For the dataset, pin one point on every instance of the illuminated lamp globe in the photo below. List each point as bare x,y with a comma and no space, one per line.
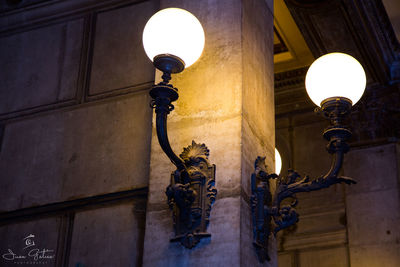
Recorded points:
173,34
278,162
335,75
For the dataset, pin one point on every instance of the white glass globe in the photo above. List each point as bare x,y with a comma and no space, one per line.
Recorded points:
174,31
278,162
335,75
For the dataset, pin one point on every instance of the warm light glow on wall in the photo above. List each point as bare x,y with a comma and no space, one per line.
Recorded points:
278,162
335,75
174,31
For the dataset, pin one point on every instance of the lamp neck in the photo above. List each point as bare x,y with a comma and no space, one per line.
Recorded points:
166,77
168,64
336,109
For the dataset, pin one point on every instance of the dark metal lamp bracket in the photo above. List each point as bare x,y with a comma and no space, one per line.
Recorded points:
192,191
268,215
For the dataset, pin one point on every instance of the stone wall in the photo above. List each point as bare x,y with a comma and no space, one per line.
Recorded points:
76,130
373,206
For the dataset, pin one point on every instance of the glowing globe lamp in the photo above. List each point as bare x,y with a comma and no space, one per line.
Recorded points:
278,162
335,75
173,39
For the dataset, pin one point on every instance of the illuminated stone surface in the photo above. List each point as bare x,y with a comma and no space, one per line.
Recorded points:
225,101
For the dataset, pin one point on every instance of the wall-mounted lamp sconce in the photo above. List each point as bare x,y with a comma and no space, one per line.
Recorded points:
334,82
174,39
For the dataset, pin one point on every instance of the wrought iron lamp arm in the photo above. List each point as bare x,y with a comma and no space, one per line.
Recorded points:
305,185
162,134
163,95
336,165
285,190
332,176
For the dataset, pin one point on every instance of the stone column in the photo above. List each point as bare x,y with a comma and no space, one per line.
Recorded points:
226,101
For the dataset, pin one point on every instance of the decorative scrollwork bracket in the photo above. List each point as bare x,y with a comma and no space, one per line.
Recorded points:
191,201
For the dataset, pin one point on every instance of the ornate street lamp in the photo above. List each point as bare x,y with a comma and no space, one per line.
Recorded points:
334,82
174,39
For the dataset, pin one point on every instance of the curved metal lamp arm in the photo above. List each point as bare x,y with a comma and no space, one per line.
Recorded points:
285,190
336,165
162,134
163,95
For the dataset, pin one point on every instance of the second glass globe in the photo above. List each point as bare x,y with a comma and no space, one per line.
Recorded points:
335,75
176,32
278,162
